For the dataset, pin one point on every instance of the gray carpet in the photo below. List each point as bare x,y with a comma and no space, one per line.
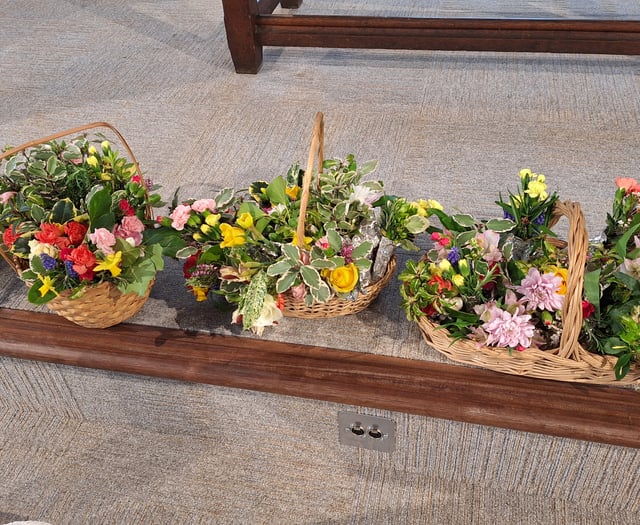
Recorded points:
82,446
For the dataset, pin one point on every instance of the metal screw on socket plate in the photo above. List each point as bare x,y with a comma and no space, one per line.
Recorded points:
371,432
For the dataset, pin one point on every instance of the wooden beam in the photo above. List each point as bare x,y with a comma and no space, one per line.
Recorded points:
594,413
453,34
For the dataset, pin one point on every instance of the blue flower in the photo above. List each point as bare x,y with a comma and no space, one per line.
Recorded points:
539,220
48,262
507,215
454,255
70,271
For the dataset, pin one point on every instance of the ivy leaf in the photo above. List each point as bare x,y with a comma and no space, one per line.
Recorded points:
335,241
417,224
464,220
63,211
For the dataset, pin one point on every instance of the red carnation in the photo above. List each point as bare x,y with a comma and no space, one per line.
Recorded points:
75,231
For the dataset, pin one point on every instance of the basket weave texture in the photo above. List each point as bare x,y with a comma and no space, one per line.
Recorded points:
570,361
101,305
336,306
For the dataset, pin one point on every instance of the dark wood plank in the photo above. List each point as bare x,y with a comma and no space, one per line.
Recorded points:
596,413
554,36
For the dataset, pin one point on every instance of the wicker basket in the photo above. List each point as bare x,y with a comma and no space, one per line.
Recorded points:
570,361
336,306
101,305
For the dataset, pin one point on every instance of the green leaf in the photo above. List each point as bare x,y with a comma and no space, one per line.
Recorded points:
62,211
286,281
464,220
335,241
500,225
276,191
362,250
417,224
99,208
321,294
35,297
279,267
291,251
592,289
310,276
621,245
186,252
362,264
368,167
253,299
323,264
224,198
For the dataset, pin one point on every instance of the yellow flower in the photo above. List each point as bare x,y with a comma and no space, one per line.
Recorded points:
445,265
105,145
563,273
524,173
344,278
198,237
213,219
537,189
105,176
111,263
434,269
306,241
245,220
92,161
92,150
47,286
458,280
231,236
206,229
200,293
292,192
434,205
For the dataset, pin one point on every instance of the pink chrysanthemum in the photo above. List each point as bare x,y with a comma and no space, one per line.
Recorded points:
540,291
509,330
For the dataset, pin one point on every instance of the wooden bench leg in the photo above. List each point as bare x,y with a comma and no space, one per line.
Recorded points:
290,4
239,22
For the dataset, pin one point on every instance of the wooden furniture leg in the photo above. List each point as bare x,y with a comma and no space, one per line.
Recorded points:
240,24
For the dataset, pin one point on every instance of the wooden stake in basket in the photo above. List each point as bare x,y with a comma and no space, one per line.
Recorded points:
336,306
570,361
102,305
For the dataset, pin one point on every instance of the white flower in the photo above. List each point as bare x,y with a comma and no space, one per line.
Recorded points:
269,315
364,194
37,248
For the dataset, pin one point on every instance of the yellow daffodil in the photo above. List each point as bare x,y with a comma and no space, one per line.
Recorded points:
105,145
92,161
526,172
245,220
111,263
434,205
213,219
231,236
92,150
206,229
344,278
47,286
292,192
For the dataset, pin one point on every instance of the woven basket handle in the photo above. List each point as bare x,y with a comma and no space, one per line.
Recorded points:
317,148
74,131
572,308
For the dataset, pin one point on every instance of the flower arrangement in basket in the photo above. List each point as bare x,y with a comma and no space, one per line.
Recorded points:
612,283
507,294
295,246
74,215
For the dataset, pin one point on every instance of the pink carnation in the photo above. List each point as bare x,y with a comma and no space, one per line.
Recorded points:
540,291
204,204
6,196
104,240
130,229
180,216
509,330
